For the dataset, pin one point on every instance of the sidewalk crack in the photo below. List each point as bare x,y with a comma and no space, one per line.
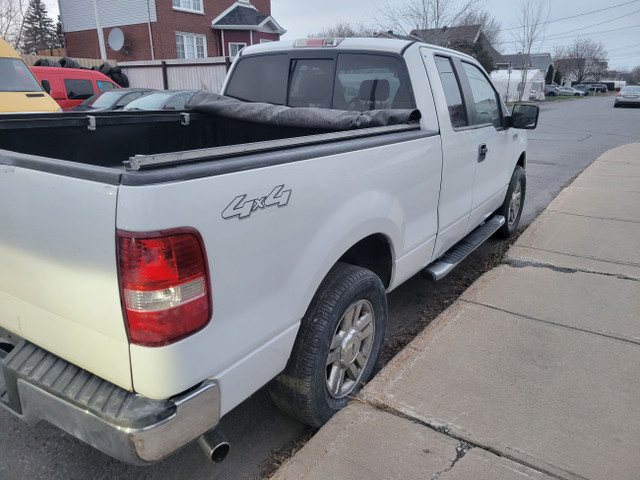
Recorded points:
523,263
600,333
461,451
464,447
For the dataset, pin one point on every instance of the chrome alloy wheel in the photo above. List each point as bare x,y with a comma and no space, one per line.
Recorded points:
350,349
514,203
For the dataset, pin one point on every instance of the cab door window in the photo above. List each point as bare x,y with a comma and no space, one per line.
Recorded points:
485,98
452,92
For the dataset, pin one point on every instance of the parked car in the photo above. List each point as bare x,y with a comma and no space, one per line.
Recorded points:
166,100
629,95
583,88
111,100
19,88
71,86
570,91
551,90
598,87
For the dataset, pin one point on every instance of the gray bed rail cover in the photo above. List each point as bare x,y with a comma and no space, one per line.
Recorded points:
319,118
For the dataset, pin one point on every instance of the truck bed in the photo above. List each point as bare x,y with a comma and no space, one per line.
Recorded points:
109,139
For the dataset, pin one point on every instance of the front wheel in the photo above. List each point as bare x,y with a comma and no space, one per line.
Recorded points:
337,347
513,204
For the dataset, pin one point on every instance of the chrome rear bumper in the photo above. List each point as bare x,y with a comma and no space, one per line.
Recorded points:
36,385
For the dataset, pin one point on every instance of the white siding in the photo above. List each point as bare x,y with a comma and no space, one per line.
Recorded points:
198,74
78,15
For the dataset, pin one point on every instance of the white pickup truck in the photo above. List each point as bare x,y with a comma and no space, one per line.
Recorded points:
157,268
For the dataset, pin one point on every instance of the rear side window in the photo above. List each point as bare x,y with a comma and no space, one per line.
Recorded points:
452,92
260,79
78,89
369,82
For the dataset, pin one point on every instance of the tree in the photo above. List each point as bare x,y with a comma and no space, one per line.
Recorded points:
490,26
39,32
11,17
548,79
586,60
528,31
477,51
407,15
59,41
345,30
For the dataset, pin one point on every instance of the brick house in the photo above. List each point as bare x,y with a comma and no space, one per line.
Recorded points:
166,29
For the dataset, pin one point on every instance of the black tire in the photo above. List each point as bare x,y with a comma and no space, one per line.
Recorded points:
513,204
552,94
45,62
302,390
576,94
105,68
67,62
120,78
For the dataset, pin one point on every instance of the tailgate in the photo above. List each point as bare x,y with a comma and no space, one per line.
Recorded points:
58,273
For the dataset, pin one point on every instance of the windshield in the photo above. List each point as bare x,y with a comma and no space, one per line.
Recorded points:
631,89
102,100
150,102
15,76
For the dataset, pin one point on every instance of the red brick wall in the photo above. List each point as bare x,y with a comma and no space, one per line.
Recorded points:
85,44
136,43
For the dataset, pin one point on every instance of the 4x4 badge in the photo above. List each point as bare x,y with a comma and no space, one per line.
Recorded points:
242,207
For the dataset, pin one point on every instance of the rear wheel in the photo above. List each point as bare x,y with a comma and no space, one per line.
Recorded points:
513,204
337,347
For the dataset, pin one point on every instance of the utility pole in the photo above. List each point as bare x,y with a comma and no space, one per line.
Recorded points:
103,50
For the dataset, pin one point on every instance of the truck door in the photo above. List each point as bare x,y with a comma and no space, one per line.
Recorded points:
459,152
493,142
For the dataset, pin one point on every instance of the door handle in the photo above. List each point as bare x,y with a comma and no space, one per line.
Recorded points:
482,152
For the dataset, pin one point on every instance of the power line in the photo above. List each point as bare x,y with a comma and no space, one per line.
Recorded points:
594,25
575,16
596,33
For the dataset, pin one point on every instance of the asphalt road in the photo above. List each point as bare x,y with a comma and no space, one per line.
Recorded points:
570,135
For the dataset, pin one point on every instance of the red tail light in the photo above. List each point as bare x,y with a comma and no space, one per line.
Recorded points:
164,285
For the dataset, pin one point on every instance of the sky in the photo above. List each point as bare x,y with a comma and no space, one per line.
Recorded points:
616,25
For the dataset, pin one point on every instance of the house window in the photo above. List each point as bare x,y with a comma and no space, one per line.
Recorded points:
190,5
234,48
189,45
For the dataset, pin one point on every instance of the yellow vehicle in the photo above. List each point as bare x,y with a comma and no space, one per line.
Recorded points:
19,88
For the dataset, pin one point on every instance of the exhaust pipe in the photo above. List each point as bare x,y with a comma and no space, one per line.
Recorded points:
214,445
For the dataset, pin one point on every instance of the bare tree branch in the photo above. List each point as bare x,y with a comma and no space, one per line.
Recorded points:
490,26
344,30
529,30
11,18
585,60
408,15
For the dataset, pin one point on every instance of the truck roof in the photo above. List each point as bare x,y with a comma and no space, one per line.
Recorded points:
373,44
388,45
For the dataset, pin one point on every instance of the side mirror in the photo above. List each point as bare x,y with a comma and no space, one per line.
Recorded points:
524,116
46,85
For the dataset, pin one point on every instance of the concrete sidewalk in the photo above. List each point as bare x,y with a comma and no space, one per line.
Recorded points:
534,373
